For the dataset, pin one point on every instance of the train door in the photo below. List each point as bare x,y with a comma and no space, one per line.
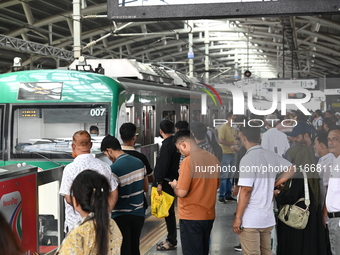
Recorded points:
129,114
196,115
185,113
148,124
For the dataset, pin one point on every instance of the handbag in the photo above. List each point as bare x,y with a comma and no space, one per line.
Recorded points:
293,215
160,204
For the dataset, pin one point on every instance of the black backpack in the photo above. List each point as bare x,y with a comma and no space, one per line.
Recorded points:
218,152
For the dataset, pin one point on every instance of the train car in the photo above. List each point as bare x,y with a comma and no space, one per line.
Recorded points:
41,109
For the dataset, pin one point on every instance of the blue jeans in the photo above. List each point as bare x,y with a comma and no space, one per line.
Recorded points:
228,161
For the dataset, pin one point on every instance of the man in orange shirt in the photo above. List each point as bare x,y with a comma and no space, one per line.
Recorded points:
196,190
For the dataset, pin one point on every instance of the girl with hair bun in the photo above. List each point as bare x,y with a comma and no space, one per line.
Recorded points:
96,233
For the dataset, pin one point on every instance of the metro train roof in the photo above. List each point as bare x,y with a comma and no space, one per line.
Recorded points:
62,86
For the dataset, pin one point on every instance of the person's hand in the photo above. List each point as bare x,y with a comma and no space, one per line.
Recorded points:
159,189
276,192
324,220
235,191
237,225
236,149
324,215
280,187
173,184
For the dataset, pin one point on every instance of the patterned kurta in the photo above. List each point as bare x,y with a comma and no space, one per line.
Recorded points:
81,240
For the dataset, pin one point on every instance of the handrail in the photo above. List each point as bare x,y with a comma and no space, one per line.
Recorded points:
149,151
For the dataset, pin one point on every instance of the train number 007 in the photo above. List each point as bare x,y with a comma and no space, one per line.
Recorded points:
97,112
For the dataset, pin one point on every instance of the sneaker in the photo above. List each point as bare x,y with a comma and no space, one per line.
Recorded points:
230,199
221,200
238,247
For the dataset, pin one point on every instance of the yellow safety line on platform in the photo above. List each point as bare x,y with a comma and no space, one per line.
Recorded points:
154,236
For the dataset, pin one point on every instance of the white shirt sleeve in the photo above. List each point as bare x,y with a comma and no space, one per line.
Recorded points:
247,176
66,181
113,182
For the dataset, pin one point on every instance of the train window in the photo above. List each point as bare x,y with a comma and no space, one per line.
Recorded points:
184,112
214,115
196,115
169,115
130,116
47,130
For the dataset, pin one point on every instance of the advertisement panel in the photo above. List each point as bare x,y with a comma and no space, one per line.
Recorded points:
18,204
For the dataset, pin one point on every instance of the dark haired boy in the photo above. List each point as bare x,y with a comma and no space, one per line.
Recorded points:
129,210
167,167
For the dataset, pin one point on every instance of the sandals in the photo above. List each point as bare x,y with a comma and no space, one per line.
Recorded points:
165,246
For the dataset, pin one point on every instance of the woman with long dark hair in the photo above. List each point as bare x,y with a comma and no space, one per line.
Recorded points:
311,240
8,244
96,233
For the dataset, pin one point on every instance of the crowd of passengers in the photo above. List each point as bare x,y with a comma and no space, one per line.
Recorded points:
105,205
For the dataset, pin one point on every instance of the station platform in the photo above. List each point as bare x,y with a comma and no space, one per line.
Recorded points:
223,239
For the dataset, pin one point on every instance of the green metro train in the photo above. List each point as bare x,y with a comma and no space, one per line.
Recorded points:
41,109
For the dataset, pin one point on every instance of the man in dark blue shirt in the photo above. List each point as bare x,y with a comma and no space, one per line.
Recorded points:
129,136
128,212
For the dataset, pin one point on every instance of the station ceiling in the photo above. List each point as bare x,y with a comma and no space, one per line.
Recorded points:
40,32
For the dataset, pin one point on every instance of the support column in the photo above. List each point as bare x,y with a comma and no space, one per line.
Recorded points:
77,28
50,38
206,58
191,49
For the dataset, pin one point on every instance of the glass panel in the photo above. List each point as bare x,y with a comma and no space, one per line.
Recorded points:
196,115
49,217
169,115
46,131
40,90
184,112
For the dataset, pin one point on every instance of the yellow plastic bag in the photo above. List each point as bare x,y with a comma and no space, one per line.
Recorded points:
160,204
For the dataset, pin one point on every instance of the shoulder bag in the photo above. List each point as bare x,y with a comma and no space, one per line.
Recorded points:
293,215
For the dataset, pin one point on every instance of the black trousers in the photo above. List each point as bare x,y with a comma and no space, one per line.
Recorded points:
195,236
171,225
131,228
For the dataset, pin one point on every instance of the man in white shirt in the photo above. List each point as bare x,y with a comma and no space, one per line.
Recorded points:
254,218
333,191
81,148
273,139
317,121
337,118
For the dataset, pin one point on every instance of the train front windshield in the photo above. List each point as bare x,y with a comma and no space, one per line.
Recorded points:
46,130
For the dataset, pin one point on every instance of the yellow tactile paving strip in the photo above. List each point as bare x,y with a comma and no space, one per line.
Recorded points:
153,237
